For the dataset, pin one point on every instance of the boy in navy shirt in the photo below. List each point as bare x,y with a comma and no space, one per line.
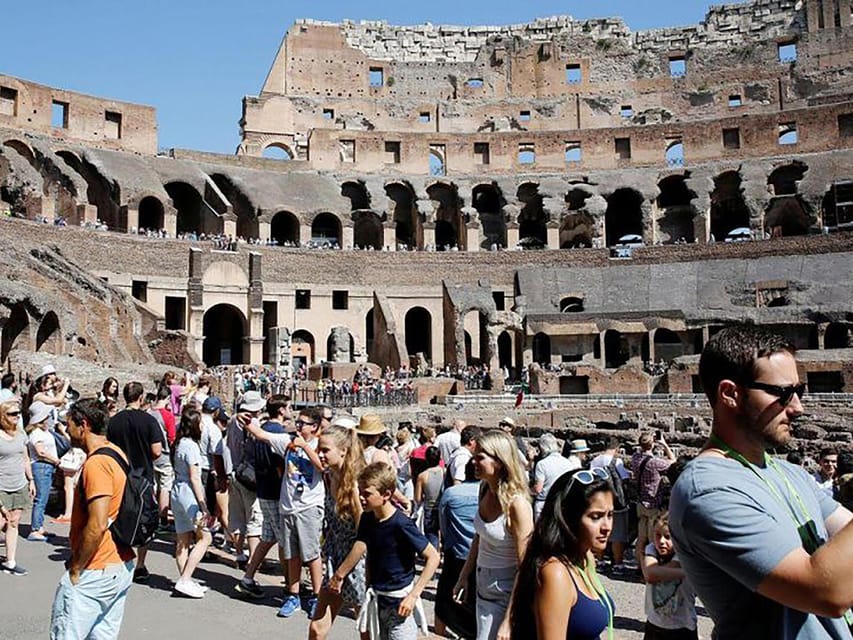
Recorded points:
391,541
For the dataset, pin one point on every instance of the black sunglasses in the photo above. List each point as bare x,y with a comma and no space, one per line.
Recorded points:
785,394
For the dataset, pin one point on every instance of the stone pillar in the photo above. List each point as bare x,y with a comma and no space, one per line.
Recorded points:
652,354
389,237
304,234
844,11
603,349
347,237
195,303
829,13
553,230
229,227
256,310
170,224
821,335
264,231
48,209
131,217
472,239
87,214
429,235
511,235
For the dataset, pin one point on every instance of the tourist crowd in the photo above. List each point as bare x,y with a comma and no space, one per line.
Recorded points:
522,528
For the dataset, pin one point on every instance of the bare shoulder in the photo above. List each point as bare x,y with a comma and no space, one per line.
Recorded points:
554,578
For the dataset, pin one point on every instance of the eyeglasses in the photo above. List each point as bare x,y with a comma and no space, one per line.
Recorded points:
303,423
785,394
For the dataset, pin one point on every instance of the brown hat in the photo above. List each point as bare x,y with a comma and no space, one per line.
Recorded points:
370,425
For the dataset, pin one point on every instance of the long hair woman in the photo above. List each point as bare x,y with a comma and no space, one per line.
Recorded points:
558,593
428,489
342,456
16,481
188,505
503,524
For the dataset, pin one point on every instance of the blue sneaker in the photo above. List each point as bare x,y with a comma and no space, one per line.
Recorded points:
289,607
311,607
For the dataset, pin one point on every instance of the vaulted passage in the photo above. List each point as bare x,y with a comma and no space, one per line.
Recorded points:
194,214
284,229
449,227
407,227
532,229
675,200
419,332
48,336
367,230
151,213
488,202
224,336
357,194
103,193
302,348
326,230
244,210
729,210
541,349
624,215
14,331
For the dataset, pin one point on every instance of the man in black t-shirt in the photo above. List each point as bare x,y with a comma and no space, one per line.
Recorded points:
137,434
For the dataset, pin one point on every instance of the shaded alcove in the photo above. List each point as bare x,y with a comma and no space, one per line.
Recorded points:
532,221
675,201
489,203
418,328
241,206
326,229
151,213
728,207
407,226
449,226
357,194
542,349
787,216
15,331
367,230
49,336
624,215
284,228
616,349
576,231
224,328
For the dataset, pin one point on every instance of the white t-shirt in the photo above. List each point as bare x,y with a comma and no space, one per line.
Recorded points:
547,470
211,435
447,443
39,435
670,605
458,461
302,483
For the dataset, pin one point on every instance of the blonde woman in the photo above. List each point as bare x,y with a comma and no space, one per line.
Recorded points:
340,452
503,524
43,462
17,487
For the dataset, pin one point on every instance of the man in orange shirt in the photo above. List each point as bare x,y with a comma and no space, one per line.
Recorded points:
89,601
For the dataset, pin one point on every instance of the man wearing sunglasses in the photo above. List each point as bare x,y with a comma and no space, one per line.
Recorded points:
769,554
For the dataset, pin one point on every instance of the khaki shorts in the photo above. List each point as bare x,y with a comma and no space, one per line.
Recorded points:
244,510
15,500
164,478
646,522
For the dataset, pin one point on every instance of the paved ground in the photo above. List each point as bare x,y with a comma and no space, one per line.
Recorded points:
153,610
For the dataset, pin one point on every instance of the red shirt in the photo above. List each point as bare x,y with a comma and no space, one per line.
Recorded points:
169,423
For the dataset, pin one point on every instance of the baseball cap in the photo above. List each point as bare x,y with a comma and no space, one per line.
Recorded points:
211,404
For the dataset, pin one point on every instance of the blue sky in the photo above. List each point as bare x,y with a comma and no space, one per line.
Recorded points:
194,60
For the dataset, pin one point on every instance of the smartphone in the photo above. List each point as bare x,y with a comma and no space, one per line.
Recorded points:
657,435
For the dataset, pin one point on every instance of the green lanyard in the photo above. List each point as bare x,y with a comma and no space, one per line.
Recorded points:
731,453
718,442
594,584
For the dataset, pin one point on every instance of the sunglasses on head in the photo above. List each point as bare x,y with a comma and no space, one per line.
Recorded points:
785,394
588,476
13,413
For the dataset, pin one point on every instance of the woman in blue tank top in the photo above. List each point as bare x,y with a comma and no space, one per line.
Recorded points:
558,594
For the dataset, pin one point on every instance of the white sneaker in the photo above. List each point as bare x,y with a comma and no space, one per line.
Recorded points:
189,588
204,588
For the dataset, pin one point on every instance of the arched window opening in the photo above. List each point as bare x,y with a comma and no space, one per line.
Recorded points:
624,215
357,194
785,179
326,230
284,229
489,203
278,151
150,214
571,304
407,227
729,210
302,348
449,226
367,231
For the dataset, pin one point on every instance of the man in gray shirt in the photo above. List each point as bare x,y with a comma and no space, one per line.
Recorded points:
768,553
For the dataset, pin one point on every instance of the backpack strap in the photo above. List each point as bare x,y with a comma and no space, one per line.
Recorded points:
112,453
642,467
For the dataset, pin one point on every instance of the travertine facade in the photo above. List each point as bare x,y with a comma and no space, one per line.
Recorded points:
561,135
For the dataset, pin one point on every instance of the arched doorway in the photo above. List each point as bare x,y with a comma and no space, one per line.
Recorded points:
505,351
284,229
368,333
278,151
837,336
489,202
150,214
668,346
616,350
675,198
48,336
418,327
532,229
542,349
367,230
326,230
624,215
449,227
407,227
302,348
477,338
224,329
14,331
728,208
188,203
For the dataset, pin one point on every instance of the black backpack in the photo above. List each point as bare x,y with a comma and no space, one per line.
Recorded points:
620,498
139,515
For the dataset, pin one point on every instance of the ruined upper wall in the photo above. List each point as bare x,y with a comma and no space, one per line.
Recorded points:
77,117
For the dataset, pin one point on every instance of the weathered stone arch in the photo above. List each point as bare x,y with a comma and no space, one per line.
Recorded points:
624,214
284,228
15,331
277,150
151,213
49,335
326,228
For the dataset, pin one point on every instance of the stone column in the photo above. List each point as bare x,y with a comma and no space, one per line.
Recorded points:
48,209
511,235
264,231
603,349
229,227
821,335
195,303
131,217
170,224
472,239
87,214
256,310
389,237
304,234
553,229
652,354
429,234
347,237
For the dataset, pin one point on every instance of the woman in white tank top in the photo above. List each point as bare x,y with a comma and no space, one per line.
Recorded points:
503,524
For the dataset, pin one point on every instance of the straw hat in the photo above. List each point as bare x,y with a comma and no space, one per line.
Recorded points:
509,422
370,425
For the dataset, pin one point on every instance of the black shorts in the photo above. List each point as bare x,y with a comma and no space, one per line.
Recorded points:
208,481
